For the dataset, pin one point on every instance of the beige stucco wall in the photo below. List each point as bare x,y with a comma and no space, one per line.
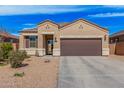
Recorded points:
70,31
52,27
52,30
21,41
88,31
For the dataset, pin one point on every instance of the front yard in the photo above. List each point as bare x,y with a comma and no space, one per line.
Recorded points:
38,73
85,71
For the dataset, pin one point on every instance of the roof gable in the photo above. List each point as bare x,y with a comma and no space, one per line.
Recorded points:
48,21
86,22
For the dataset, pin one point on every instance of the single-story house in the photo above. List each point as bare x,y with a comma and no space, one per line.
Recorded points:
6,37
116,41
78,38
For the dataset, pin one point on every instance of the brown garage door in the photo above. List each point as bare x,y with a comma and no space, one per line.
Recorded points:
81,47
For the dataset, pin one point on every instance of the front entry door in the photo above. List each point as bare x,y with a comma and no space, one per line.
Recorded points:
49,47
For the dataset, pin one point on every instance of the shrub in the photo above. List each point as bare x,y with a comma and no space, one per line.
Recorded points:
1,64
2,60
19,74
1,55
16,58
24,54
5,48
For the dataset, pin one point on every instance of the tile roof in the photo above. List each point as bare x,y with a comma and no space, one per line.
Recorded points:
32,30
63,24
87,22
7,35
60,25
117,33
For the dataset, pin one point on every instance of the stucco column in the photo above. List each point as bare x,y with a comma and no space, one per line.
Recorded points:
40,41
21,42
105,46
40,49
56,48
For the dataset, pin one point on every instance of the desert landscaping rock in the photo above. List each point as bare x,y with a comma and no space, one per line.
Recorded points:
38,74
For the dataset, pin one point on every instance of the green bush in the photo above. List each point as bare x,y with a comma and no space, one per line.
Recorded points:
5,48
19,74
1,55
16,58
1,64
24,54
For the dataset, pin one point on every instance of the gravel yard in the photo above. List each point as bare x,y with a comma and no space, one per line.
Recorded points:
38,74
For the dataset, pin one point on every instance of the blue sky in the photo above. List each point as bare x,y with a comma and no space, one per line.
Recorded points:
16,18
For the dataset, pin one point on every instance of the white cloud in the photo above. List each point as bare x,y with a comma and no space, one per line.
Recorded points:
29,24
44,9
107,15
27,28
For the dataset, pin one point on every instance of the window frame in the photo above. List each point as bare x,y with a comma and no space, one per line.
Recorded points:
31,42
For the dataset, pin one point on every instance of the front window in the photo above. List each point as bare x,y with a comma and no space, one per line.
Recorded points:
31,41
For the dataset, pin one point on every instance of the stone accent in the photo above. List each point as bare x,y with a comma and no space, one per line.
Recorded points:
105,51
32,51
41,52
56,52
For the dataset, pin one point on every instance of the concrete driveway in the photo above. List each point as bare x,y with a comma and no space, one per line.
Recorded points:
90,72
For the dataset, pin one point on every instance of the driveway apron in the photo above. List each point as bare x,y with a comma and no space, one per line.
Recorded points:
90,72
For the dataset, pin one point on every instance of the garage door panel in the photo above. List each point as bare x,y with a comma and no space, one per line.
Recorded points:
81,47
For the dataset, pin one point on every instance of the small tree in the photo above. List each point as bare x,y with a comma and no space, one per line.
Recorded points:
16,58
6,48
1,56
24,53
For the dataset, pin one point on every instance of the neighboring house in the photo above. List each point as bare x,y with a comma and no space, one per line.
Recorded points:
117,43
6,37
78,38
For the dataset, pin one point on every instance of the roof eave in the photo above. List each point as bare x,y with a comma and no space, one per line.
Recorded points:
48,21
